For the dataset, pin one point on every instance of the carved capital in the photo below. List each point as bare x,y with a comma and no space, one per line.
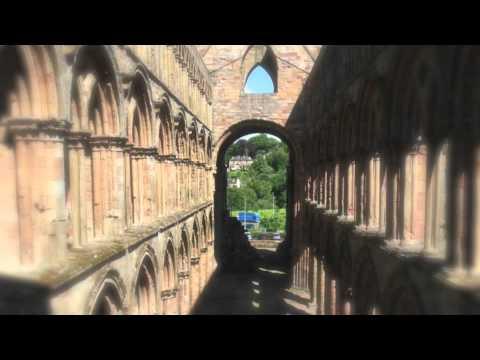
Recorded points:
77,138
141,152
107,142
36,129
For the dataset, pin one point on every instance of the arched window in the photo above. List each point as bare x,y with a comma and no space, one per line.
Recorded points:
109,300
259,81
184,274
95,105
260,70
145,291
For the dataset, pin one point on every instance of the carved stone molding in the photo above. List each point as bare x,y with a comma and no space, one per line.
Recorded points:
36,129
107,142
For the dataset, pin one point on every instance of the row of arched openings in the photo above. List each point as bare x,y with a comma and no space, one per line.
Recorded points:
97,173
174,289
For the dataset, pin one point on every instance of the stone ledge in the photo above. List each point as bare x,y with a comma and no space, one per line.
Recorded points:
460,281
82,262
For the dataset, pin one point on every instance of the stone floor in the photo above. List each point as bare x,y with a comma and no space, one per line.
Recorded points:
260,292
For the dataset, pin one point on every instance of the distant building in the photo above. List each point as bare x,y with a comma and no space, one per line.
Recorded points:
234,183
240,162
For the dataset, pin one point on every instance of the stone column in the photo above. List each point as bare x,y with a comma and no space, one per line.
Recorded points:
313,281
203,267
461,178
194,280
40,170
184,300
414,196
351,190
170,302
79,197
321,288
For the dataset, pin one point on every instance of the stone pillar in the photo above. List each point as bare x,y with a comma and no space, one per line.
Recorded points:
414,196
321,288
437,201
170,302
195,280
184,290
79,190
392,227
40,163
351,190
313,281
204,265
374,188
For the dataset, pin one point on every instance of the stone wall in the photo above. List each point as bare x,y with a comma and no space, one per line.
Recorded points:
390,208
106,154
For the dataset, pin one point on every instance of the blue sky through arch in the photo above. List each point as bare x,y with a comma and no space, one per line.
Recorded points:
259,82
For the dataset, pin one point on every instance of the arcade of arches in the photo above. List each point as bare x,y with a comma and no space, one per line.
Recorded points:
113,188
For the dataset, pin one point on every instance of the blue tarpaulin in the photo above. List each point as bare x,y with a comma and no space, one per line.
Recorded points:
249,217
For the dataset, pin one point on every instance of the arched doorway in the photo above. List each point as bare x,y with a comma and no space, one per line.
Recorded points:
224,248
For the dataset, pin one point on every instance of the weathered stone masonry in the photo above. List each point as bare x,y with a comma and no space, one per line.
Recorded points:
391,197
109,158
106,200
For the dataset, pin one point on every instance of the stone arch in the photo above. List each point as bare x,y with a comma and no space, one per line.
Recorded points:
202,146
374,113
419,100
165,127
29,82
195,236
169,265
365,285
140,190
169,281
29,93
193,141
184,250
108,296
210,224
98,126
140,111
95,84
203,243
209,149
181,136
260,55
184,271
145,286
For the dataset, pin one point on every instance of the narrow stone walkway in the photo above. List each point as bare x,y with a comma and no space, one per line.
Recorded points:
260,292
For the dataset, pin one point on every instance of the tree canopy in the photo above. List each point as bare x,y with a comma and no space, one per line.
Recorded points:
264,180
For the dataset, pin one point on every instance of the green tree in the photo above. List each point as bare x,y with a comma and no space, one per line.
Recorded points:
236,198
262,144
260,169
278,159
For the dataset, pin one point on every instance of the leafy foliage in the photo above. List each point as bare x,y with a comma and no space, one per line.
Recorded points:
265,179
